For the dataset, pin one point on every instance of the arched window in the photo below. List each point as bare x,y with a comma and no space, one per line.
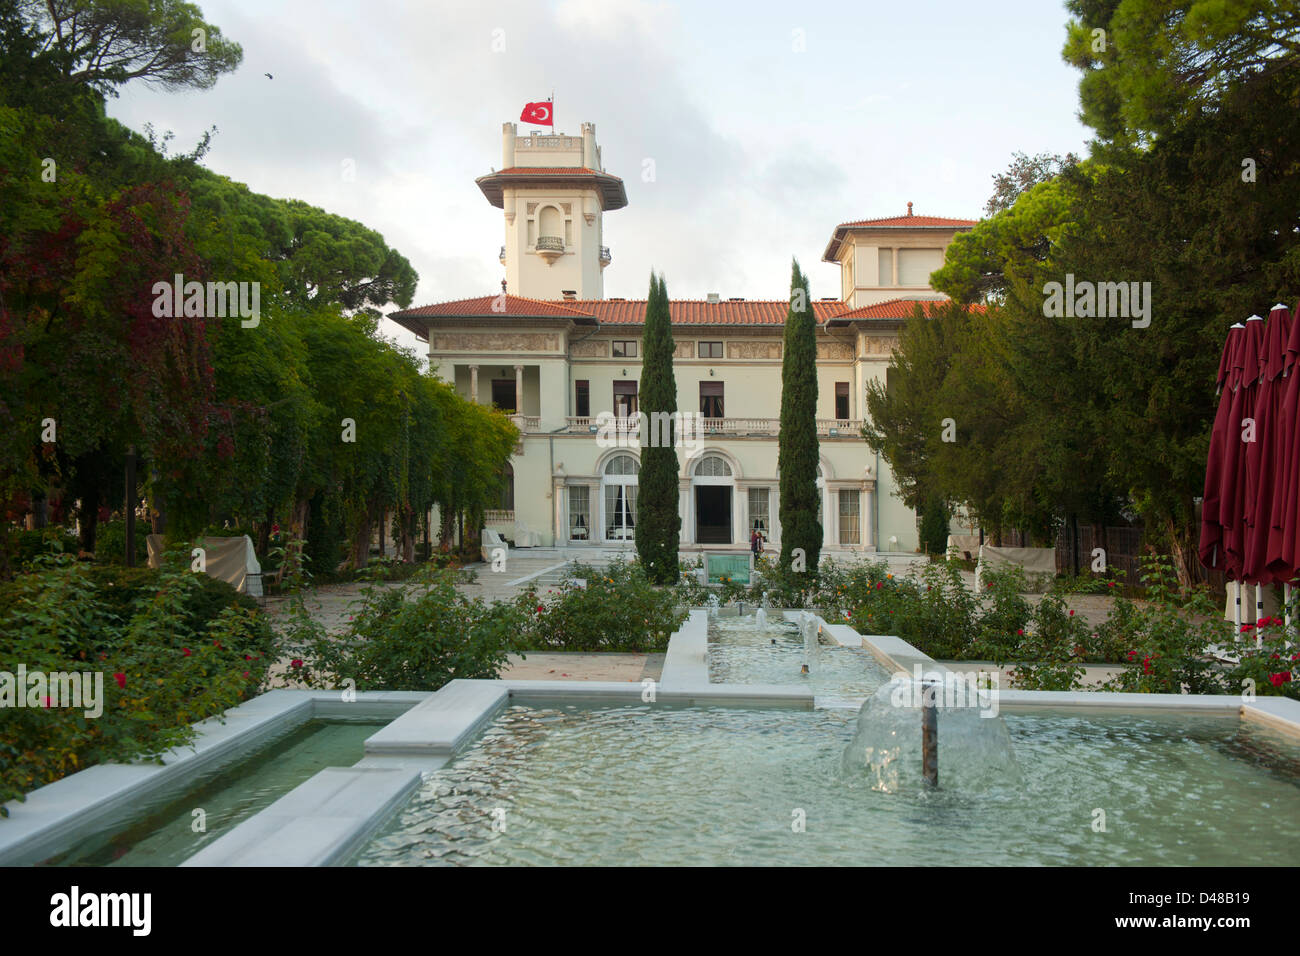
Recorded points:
623,465
713,467
620,485
550,223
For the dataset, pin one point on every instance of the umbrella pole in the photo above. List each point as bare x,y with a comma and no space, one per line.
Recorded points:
1259,612
1236,610
1286,608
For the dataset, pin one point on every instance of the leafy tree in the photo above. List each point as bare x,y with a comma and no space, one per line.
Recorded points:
797,450
1157,64
1024,173
657,519
106,43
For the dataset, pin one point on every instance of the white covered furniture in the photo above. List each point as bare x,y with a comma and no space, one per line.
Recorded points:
491,540
525,538
1032,560
232,560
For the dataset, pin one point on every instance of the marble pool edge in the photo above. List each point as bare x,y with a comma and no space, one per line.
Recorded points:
54,818
328,817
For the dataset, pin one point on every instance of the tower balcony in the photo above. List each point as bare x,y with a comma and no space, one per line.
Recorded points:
502,256
604,256
549,248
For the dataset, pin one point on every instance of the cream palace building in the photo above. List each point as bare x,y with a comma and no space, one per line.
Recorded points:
557,354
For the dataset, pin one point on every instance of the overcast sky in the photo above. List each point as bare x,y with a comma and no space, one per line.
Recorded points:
759,149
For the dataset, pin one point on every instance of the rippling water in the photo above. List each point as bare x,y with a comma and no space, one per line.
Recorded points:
655,784
739,653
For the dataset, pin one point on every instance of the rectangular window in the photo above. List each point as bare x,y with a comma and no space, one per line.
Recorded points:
759,517
711,399
620,512
582,398
625,399
842,400
710,350
850,526
915,266
886,266
579,513
626,348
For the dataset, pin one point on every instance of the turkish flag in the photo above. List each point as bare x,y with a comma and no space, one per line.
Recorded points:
538,114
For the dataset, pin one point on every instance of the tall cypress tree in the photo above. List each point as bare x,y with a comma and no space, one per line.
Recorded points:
798,450
657,520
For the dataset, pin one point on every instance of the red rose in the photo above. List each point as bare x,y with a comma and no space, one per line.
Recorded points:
185,651
245,673
295,663
1020,633
121,680
1071,612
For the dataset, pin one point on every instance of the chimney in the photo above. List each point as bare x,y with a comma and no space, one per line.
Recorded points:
714,298
909,209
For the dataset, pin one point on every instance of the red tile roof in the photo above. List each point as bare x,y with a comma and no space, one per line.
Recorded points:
489,305
747,312
909,221
702,312
612,192
891,222
549,171
898,309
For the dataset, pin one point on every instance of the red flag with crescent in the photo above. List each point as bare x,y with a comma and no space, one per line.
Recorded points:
539,114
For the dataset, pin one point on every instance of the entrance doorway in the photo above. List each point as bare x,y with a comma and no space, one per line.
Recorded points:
713,514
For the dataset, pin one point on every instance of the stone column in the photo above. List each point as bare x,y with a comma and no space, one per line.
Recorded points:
519,389
473,383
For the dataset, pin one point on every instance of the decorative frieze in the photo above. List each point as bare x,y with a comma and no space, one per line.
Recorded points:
592,348
879,344
834,350
683,350
754,350
496,342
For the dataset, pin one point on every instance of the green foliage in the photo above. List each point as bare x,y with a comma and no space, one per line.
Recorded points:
657,520
1052,649
616,609
934,527
110,542
1171,640
414,636
1161,63
184,647
1269,668
22,547
797,452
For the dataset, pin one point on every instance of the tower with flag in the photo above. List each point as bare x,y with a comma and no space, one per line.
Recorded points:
553,191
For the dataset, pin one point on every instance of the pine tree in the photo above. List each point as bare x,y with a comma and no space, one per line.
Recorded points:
798,449
658,522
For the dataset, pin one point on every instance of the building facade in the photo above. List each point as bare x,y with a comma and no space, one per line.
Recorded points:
566,362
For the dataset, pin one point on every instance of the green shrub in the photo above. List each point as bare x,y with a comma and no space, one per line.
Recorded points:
416,636
22,547
1052,648
934,527
617,609
110,542
181,649
1271,669
1170,642
1000,630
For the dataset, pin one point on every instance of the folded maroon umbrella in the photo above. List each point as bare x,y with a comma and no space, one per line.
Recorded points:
1210,548
1265,455
1242,431
1283,554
